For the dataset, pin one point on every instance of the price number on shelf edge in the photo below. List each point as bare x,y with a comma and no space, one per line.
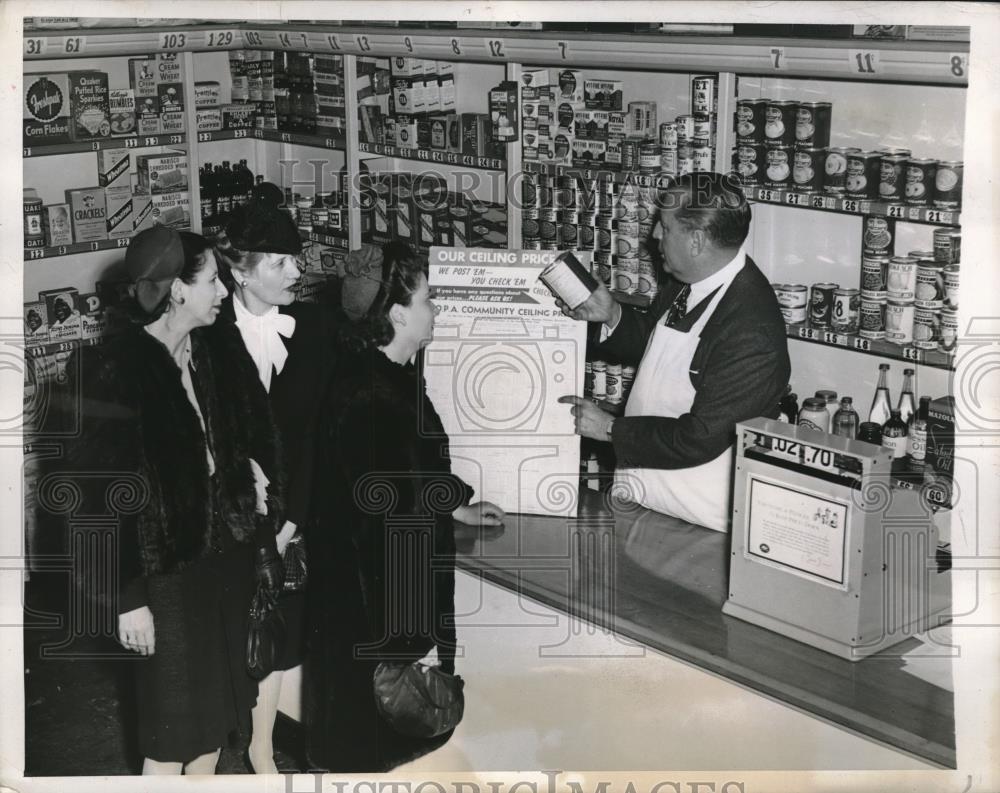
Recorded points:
864,61
333,42
456,46
220,38
793,199
253,38
958,65
778,62
895,211
408,43
35,46
363,44
496,47
74,45
172,41
563,48
913,354
864,345
849,205
767,195
809,333
833,338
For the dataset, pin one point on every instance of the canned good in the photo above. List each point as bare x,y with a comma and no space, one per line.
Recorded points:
874,272
630,155
812,124
807,169
550,245
627,206
891,176
613,381
846,307
588,379
947,246
750,120
529,222
547,229
779,122
949,330
835,169
948,184
568,229
668,134
685,128
647,276
529,190
877,236
899,322
929,292
602,267
531,243
600,379
685,157
649,158
628,377
701,155
863,169
926,328
872,318
704,127
919,181
814,415
791,295
627,245
626,274
668,160
586,195
34,228
901,282
586,231
951,273
704,96
566,193
778,167
821,304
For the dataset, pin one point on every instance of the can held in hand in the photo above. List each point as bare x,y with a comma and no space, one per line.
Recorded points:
812,124
877,236
926,328
902,279
930,286
874,271
821,304
846,308
863,169
951,274
779,168
807,169
779,122
949,331
919,181
892,176
614,384
835,169
872,318
899,322
948,184
750,120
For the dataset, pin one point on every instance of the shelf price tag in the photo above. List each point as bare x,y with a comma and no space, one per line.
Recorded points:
958,65
937,216
239,133
913,354
35,45
36,253
895,211
284,41
496,48
562,47
849,205
456,46
172,41
863,61
304,38
818,202
220,38
777,55
333,42
73,45
864,345
809,333
793,199
834,338
253,38
363,44
768,195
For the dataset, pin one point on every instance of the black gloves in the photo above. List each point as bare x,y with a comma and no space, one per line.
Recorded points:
269,569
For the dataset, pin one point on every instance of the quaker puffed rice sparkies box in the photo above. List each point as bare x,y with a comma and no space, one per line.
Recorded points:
89,101
46,109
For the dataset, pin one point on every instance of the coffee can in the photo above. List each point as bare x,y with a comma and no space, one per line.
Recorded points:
646,277
568,229
919,181
750,120
872,318
600,379
586,231
926,328
892,176
863,170
948,184
812,124
874,272
779,167
901,282
877,236
930,289
899,322
949,330
626,274
547,229
951,273
807,169
529,222
821,304
779,122
947,245
835,169
704,94
846,307
668,134
531,243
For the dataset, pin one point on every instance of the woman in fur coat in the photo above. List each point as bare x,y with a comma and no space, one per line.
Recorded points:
174,404
388,578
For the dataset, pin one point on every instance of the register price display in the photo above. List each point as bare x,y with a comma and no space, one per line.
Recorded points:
798,530
501,357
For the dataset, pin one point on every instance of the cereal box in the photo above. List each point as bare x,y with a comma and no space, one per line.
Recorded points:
171,122
46,109
142,76
89,211
62,313
171,96
58,225
142,211
88,92
119,212
162,173
113,167
172,209
147,115
169,68
121,105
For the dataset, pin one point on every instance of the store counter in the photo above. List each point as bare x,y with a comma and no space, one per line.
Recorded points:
662,582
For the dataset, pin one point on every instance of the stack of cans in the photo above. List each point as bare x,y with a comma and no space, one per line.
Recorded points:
611,382
692,135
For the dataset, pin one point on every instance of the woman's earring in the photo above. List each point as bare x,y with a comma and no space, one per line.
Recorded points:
243,284
180,300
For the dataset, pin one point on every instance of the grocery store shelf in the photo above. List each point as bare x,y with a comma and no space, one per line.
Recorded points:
131,142
431,155
333,142
600,174
326,239
853,206
55,347
33,254
858,59
880,348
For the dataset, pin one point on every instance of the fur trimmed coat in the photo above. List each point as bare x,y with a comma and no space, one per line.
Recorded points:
141,460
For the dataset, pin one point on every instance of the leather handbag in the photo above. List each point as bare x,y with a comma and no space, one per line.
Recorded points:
294,558
266,634
417,700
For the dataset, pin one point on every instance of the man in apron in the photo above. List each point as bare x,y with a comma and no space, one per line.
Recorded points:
713,352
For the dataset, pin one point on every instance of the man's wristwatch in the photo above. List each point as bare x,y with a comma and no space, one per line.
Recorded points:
607,429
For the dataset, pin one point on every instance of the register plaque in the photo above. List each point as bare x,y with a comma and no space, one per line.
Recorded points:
825,550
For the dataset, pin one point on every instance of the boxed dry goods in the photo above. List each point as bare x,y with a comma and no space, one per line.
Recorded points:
641,120
147,115
532,81
570,86
162,173
119,212
172,121
503,111
142,76
88,91
121,106
142,211
206,93
46,109
171,96
36,325
89,211
58,225
62,313
617,125
602,94
114,167
169,68
476,134
238,116
208,119
407,132
93,324
587,153
406,67
172,209
448,93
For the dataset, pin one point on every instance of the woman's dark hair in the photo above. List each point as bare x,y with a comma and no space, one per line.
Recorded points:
401,272
194,246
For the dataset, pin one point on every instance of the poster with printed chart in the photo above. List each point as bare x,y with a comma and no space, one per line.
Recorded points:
501,357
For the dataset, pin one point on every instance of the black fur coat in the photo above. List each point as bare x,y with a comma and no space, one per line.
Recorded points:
140,458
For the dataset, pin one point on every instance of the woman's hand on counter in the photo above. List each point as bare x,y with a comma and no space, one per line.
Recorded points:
590,420
482,513
135,631
599,307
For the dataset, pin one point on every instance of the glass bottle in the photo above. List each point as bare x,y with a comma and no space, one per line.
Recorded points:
223,198
846,419
881,404
814,415
870,432
894,435
907,406
916,448
830,397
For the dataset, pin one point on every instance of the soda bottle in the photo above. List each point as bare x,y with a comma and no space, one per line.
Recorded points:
846,419
916,449
907,407
881,404
223,198
894,435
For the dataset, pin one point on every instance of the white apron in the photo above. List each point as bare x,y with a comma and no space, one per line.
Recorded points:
663,387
